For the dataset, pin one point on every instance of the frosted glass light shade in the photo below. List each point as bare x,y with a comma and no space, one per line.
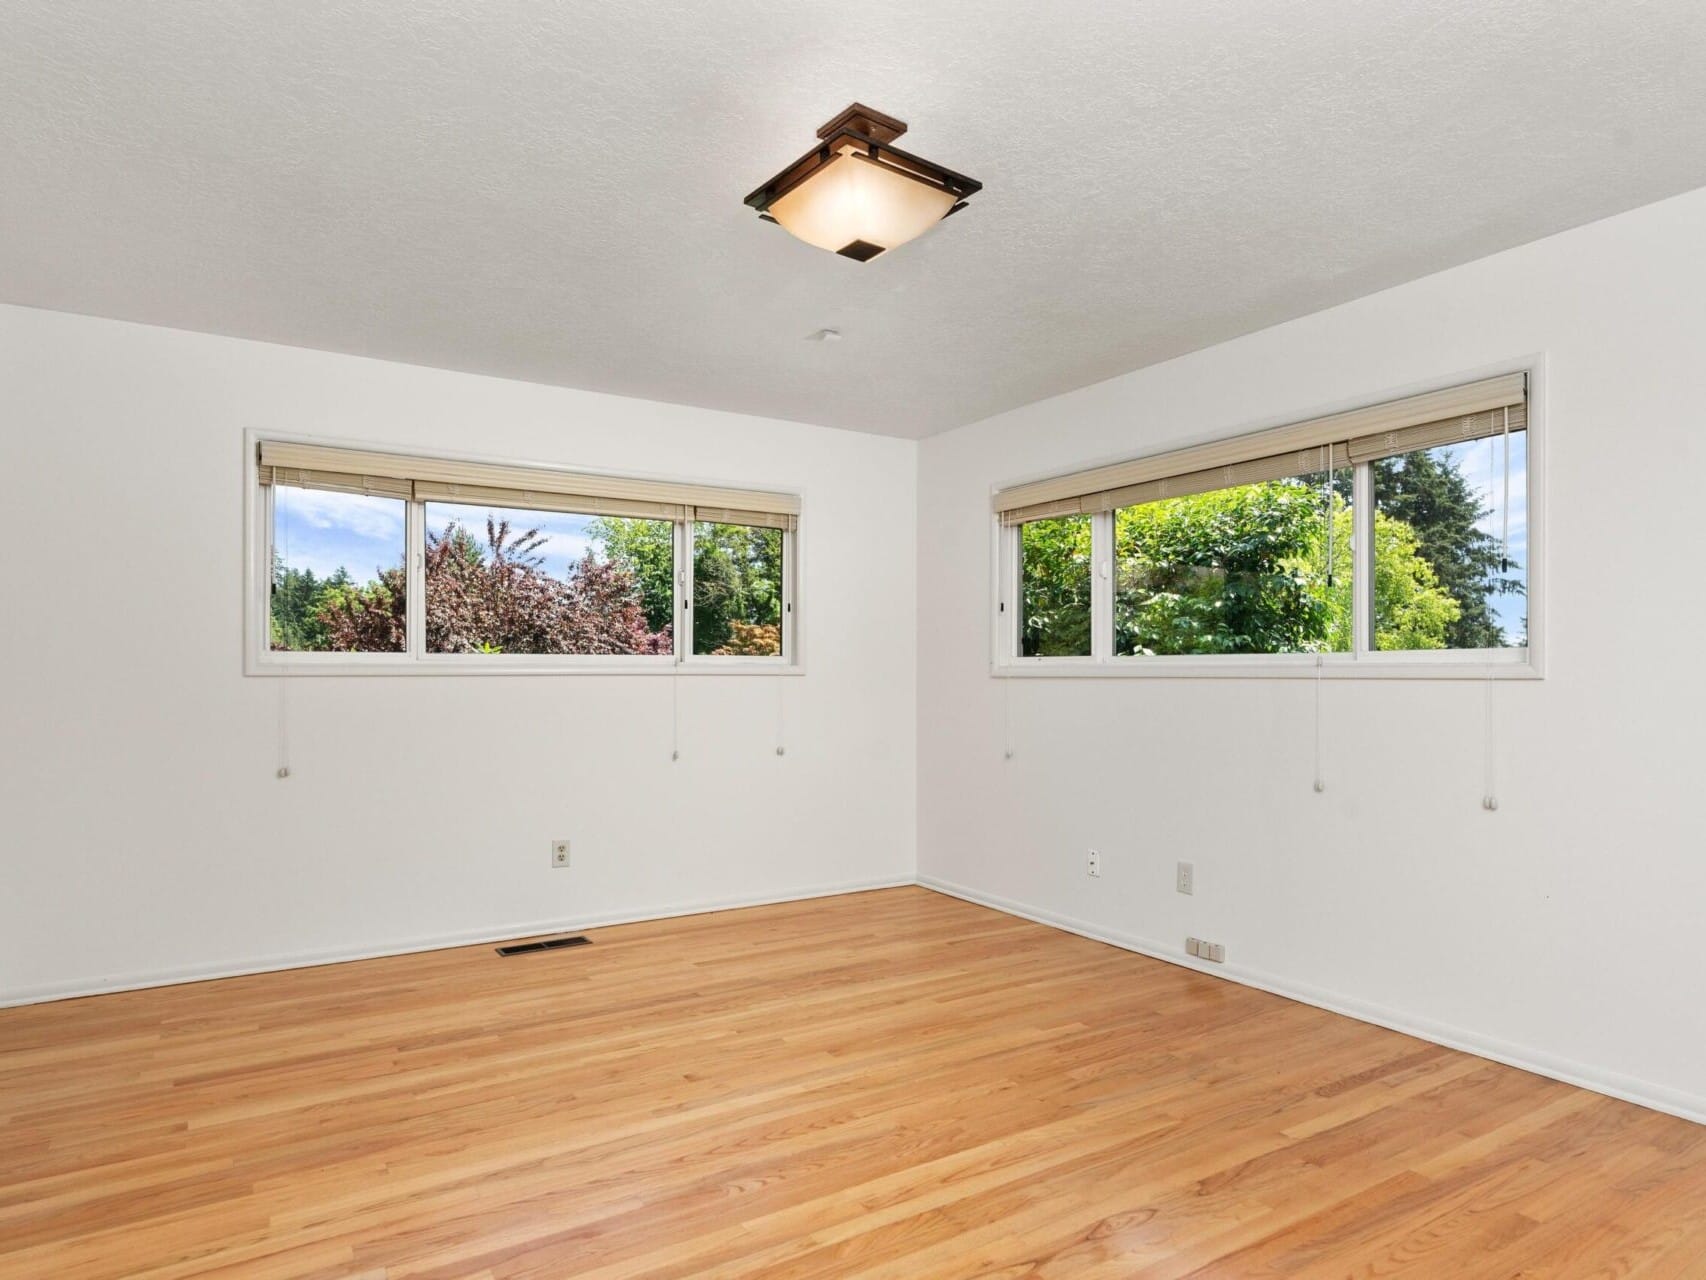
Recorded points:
858,207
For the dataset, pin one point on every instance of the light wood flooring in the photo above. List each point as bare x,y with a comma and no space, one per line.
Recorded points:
889,1084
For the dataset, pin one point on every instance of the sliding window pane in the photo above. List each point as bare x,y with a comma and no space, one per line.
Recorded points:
1254,568
1055,588
506,581
1451,549
737,590
337,572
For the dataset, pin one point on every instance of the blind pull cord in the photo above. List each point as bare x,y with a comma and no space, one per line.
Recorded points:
1007,718
675,710
781,717
1320,781
283,727
1320,658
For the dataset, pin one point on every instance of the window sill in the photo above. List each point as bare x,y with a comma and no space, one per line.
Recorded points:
588,667
1517,664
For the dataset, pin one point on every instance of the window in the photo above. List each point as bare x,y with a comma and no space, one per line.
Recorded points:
1451,546
506,581
337,581
737,590
1055,587
368,560
1393,534
1250,569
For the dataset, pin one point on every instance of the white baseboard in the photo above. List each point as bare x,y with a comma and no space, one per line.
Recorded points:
433,942
1688,1106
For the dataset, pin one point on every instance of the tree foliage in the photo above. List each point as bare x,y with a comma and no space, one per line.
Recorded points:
499,599
296,596
646,549
1247,569
737,581
1427,492
491,597
1238,570
1054,605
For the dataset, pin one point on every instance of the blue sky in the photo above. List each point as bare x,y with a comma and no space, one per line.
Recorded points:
323,531
1482,464
319,530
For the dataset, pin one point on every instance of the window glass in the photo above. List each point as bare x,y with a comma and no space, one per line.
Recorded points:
338,583
737,590
505,581
1055,587
1255,568
1450,553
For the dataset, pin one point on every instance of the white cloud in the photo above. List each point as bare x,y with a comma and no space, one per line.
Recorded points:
358,514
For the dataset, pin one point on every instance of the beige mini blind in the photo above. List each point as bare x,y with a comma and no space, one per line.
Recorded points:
337,481
760,519
1468,412
530,488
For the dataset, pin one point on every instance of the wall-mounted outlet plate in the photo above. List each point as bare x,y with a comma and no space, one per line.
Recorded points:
1093,864
559,853
1185,879
1193,946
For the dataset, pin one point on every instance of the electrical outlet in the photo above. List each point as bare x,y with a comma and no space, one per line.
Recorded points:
1094,863
559,853
1211,951
1185,881
1193,946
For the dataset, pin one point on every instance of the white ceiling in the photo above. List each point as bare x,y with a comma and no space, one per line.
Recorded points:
552,190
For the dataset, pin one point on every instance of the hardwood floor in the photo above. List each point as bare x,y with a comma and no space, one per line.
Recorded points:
889,1084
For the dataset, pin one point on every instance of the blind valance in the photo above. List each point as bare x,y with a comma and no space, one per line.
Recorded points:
529,488
1468,412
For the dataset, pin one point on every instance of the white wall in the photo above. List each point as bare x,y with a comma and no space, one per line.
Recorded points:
144,833
1563,931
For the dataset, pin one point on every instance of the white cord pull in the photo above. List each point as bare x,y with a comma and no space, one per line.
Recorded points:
1320,782
283,771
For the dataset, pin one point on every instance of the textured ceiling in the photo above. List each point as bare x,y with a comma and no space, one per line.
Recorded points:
552,191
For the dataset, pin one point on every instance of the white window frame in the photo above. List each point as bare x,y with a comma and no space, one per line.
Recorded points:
262,660
1364,661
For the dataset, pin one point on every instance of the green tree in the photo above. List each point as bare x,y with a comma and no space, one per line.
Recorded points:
1238,570
737,579
1427,491
646,549
497,597
1054,603
297,597
1412,611
1248,569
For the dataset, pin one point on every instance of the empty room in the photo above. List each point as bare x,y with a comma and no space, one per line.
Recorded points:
900,642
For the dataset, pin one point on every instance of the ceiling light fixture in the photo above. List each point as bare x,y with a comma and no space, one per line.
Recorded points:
855,194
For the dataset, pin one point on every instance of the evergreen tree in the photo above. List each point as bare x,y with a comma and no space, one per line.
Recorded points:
1427,492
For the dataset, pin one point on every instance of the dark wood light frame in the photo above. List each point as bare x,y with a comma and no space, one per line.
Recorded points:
873,134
